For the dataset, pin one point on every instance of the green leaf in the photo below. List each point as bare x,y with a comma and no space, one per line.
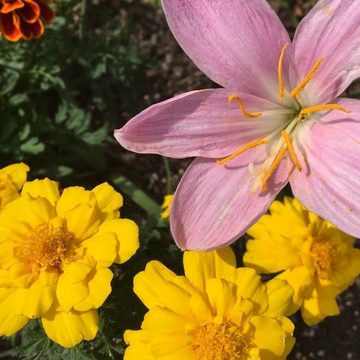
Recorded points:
137,195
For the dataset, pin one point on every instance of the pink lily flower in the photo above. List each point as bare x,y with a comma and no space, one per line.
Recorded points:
276,120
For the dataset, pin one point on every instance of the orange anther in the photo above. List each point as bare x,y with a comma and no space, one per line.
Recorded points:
242,107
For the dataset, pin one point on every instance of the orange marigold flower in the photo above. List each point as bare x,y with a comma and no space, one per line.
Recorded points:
24,18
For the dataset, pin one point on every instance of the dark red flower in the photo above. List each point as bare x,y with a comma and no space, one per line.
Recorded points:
24,18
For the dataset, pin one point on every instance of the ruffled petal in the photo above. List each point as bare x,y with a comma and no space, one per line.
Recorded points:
225,192
17,174
11,323
149,284
10,26
32,302
70,328
249,286
236,43
99,289
222,296
72,197
108,200
330,30
137,350
69,293
101,248
201,266
83,221
329,183
280,296
127,236
200,123
43,188
269,337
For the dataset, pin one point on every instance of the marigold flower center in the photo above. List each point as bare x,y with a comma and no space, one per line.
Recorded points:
324,252
45,247
222,341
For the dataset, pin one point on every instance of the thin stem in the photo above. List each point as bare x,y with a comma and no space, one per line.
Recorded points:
84,5
168,175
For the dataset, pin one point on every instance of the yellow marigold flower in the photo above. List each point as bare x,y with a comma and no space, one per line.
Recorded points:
166,206
12,178
24,18
54,257
215,311
316,259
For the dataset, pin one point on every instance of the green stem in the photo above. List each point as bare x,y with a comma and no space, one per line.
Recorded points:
168,176
84,5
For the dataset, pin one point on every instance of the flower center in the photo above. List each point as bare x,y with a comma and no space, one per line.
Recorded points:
223,341
280,141
324,252
44,248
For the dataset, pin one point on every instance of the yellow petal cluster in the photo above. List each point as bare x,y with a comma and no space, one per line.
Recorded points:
316,259
216,311
55,250
166,206
12,178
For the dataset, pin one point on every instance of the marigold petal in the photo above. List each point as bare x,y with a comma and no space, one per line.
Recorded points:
99,283
163,320
280,296
34,301
30,31
72,197
77,270
43,188
222,296
316,309
127,235
83,221
36,212
201,307
17,174
301,280
9,322
171,347
268,337
70,294
176,299
137,350
10,26
109,201
30,12
102,248
8,192
8,7
47,14
249,286
71,327
200,266
149,284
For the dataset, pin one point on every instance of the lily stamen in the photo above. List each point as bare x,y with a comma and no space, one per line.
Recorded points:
291,150
312,109
308,77
242,107
280,77
273,166
241,150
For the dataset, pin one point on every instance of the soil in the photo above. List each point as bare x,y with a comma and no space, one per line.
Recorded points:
335,338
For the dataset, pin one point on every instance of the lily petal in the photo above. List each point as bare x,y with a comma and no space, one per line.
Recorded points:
236,43
330,181
330,30
200,123
225,192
